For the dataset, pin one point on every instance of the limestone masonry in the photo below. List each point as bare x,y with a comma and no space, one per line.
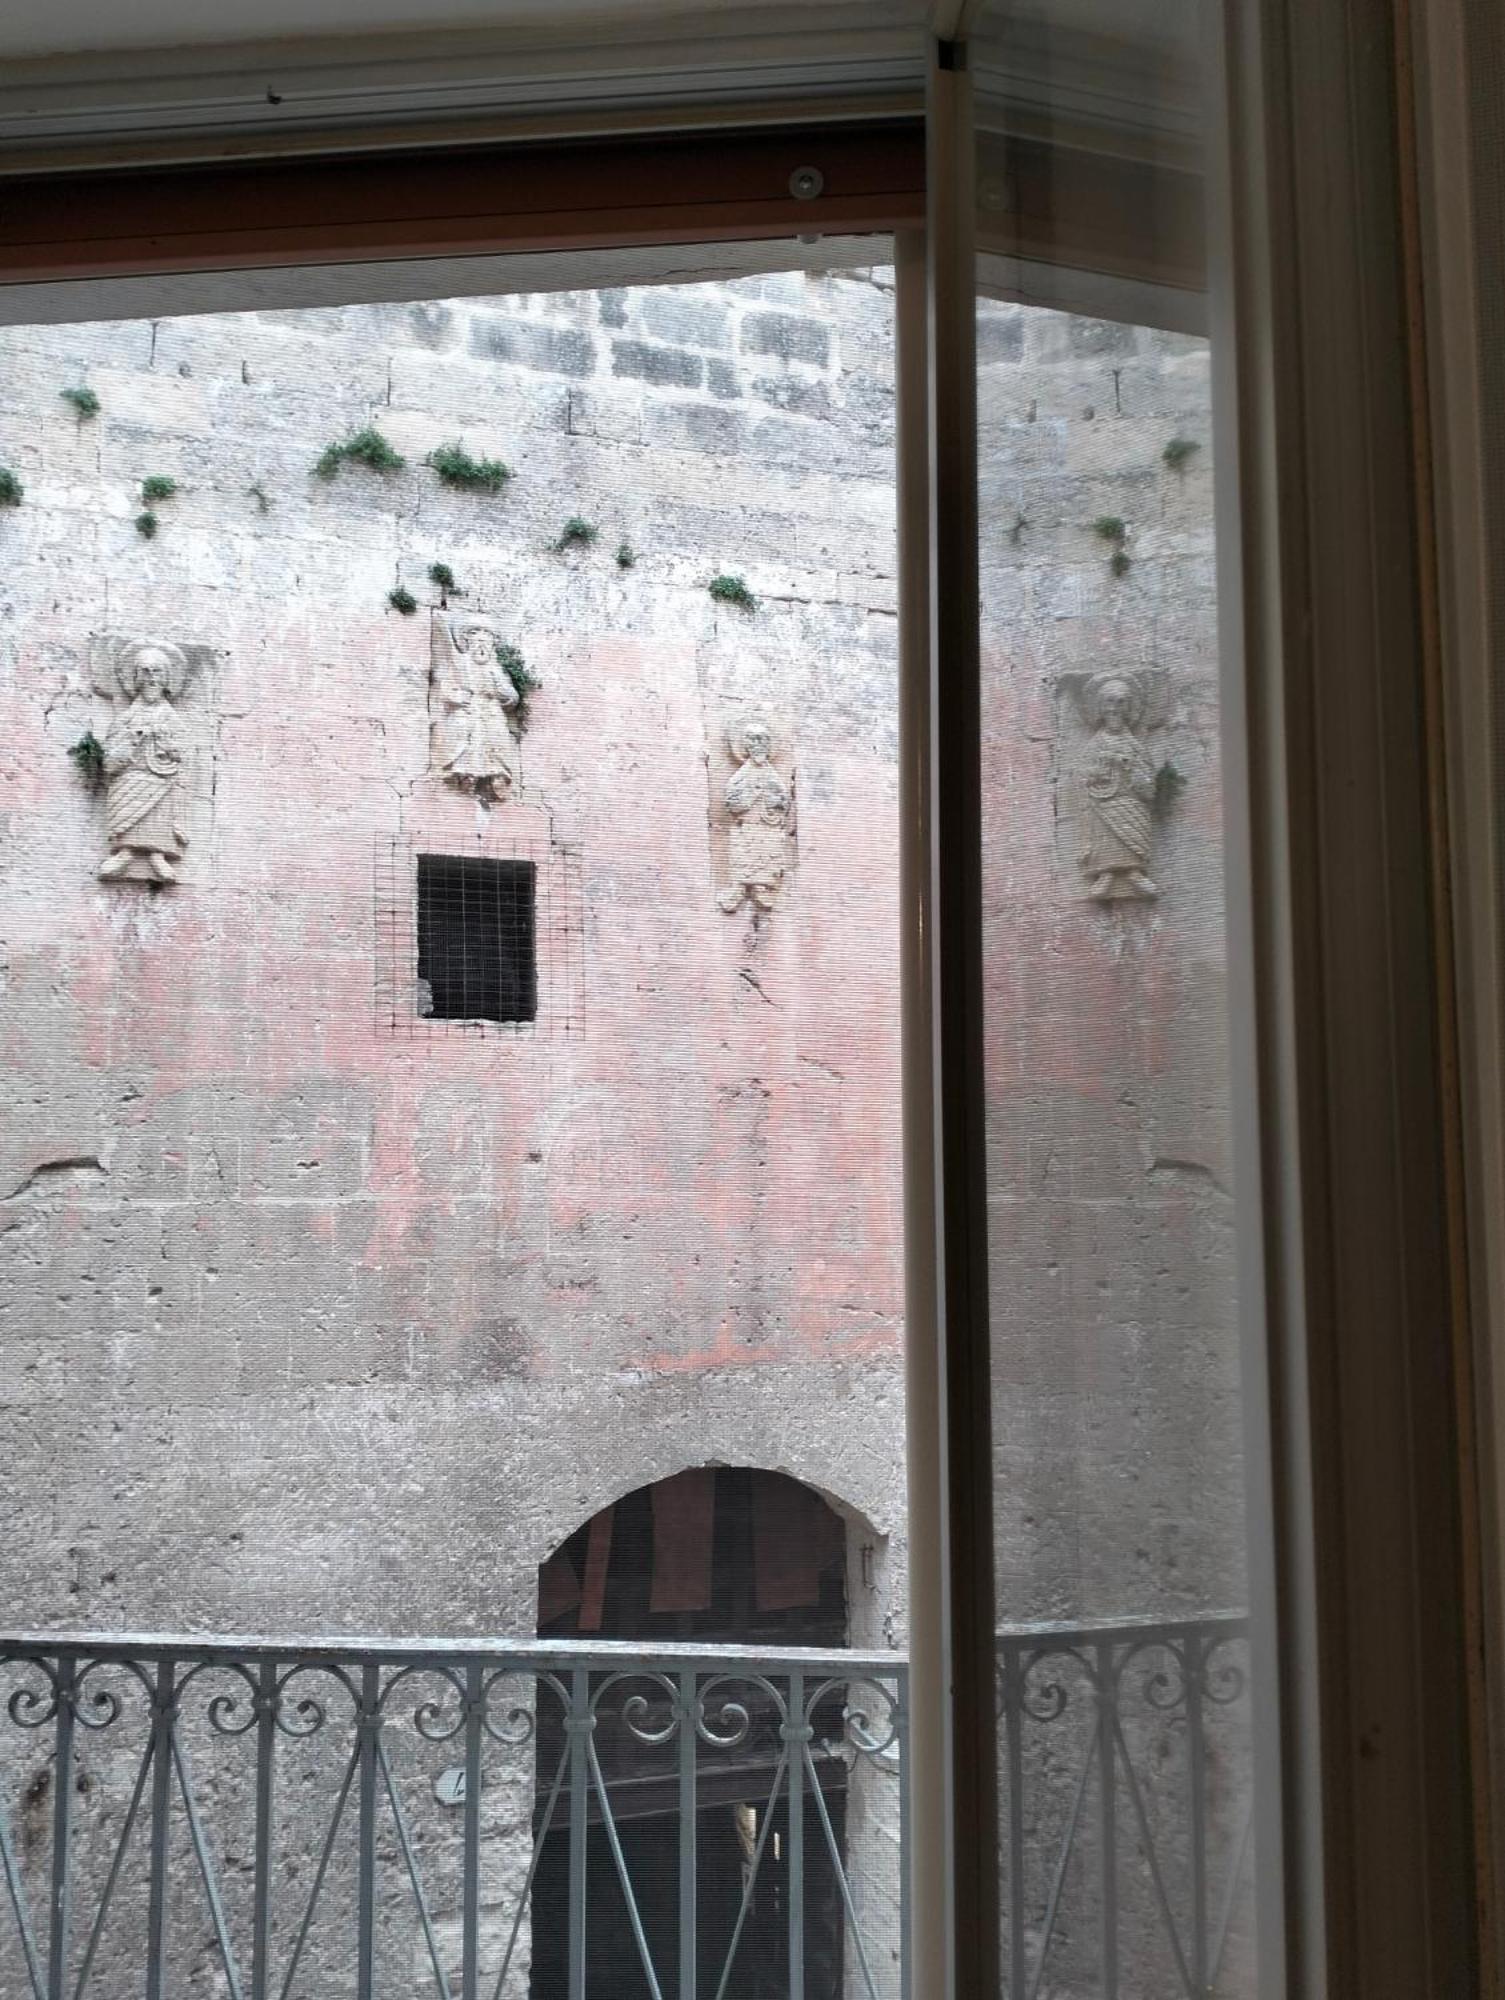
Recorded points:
323,1311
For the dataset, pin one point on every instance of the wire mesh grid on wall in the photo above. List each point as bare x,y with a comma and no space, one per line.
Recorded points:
483,943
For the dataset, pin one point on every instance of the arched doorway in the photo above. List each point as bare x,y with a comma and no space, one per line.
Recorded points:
717,1556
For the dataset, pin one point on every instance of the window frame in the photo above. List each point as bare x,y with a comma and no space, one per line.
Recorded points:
1347,1032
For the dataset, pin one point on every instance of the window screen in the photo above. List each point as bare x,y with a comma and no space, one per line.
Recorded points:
476,954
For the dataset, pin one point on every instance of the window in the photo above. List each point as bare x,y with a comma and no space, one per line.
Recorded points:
477,959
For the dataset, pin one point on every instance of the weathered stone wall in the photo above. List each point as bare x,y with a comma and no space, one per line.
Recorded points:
322,1316
299,1307
1116,1398
312,1323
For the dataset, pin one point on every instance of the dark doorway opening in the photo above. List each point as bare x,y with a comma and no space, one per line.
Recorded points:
724,1556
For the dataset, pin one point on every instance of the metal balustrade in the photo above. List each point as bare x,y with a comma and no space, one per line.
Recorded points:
1125,1777
290,1820
298,1821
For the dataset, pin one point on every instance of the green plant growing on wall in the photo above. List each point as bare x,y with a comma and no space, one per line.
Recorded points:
88,755
402,600
363,447
732,590
524,681
627,556
11,488
1169,785
576,534
84,402
1178,451
443,579
456,467
1113,529
155,487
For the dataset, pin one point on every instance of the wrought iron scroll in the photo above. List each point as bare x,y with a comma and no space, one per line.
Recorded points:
1126,1804
261,1821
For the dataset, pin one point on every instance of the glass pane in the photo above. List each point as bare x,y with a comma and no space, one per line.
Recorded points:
1125,1757
451,1161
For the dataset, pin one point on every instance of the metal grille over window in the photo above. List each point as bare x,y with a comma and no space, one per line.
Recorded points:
476,956
482,943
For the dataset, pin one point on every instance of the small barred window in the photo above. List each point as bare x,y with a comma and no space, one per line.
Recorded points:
477,947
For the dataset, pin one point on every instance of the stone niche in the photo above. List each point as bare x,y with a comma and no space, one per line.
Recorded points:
754,838
156,716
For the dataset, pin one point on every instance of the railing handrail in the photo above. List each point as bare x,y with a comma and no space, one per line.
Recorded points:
558,1653
1125,1631
528,1654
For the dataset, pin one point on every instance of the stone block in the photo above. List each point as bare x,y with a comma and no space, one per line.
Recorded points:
675,315
790,336
722,379
693,427
551,350
1000,334
663,366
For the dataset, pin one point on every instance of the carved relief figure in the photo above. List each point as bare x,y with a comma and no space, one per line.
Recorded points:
758,804
471,707
145,753
1118,787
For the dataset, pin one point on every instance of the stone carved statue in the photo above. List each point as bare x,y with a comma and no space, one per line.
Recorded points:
145,762
472,703
1117,778
758,807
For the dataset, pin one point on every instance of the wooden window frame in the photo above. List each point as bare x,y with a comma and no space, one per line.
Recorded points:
1371,1765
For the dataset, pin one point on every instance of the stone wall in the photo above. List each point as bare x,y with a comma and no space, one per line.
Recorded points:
1116,1400
307,1293
323,1315
306,1299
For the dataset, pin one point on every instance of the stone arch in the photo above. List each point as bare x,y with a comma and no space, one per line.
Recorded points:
680,1530
727,1553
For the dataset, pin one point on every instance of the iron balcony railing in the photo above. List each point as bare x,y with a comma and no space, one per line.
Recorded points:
1125,1779
310,1820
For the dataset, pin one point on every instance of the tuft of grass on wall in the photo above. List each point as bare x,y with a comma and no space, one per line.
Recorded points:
443,579
524,681
1178,451
576,534
147,524
732,590
627,556
456,467
11,488
363,447
402,600
84,402
1113,528
157,486
88,755
1169,785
